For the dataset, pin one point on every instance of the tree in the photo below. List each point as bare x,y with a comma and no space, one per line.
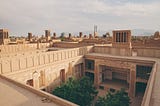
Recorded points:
81,92
120,98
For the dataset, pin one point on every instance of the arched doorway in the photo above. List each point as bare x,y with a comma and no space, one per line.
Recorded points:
62,75
42,79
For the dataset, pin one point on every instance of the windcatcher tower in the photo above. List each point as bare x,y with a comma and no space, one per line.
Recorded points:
47,35
121,38
30,36
4,36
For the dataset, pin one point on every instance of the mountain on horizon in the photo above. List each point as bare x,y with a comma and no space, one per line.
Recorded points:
135,32
143,32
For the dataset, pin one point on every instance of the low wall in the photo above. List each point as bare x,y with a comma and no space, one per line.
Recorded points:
20,47
149,88
51,97
146,43
112,50
97,40
70,45
147,51
140,51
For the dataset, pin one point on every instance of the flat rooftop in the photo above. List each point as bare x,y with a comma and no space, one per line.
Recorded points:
12,95
127,58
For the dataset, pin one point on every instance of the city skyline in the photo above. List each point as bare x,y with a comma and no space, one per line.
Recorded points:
74,16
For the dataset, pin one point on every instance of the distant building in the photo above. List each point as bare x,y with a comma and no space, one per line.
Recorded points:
47,35
30,37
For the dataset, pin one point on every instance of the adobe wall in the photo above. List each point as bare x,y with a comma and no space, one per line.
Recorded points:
112,50
51,72
25,61
147,51
97,41
22,66
20,47
135,51
146,43
70,45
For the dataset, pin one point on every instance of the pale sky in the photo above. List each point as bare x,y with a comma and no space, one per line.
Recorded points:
23,16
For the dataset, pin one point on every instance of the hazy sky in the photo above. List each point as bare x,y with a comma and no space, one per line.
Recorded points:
23,16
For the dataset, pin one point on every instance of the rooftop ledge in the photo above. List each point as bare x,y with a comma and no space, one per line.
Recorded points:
122,58
16,94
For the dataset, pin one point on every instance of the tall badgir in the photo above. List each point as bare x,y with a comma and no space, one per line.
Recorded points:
31,67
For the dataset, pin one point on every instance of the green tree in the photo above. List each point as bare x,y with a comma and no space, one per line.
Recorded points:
81,92
120,98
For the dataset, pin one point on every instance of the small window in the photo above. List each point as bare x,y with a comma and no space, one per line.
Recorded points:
124,35
89,64
112,90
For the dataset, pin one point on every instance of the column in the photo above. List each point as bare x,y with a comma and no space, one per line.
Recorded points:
70,69
96,75
132,83
126,36
120,35
115,37
38,45
36,80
